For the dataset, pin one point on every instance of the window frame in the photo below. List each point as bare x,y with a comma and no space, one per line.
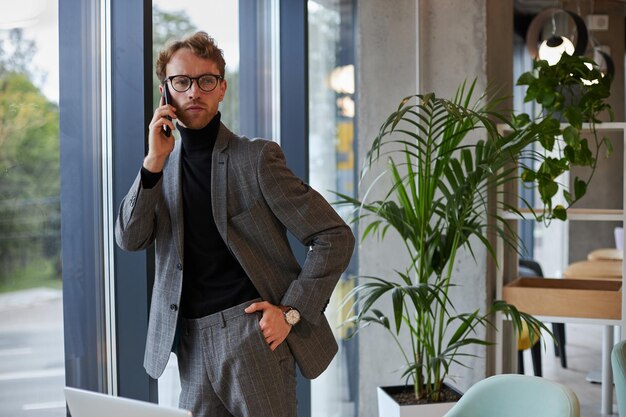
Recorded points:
103,102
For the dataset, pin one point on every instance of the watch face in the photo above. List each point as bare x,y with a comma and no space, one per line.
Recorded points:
292,316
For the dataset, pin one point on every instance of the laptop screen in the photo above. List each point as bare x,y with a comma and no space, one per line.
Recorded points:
83,403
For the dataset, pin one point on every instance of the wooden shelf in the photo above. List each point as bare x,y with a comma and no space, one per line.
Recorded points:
572,214
596,299
586,127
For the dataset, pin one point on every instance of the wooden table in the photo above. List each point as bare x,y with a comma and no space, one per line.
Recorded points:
602,264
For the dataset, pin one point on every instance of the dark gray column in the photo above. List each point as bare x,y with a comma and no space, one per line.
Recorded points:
294,120
131,81
249,69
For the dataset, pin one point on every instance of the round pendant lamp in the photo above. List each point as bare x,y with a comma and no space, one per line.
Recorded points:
608,69
552,48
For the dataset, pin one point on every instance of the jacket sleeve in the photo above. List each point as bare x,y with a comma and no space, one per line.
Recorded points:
309,217
136,219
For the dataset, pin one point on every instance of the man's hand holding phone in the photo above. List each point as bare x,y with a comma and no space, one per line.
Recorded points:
160,139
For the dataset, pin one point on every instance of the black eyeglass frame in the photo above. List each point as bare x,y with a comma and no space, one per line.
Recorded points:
192,79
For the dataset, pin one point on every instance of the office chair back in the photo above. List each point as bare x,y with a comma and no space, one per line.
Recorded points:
517,396
618,363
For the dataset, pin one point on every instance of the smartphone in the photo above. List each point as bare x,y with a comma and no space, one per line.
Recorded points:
167,100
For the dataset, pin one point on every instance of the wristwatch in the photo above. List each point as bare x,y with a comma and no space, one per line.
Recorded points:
292,316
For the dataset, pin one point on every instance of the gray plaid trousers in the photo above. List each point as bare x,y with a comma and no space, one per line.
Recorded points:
227,368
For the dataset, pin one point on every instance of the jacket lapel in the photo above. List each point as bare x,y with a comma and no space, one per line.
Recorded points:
219,181
173,194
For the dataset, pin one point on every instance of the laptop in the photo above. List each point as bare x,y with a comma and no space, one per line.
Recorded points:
92,404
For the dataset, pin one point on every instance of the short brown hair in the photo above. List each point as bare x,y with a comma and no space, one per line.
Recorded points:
200,43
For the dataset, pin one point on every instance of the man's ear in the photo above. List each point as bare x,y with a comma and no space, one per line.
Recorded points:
223,87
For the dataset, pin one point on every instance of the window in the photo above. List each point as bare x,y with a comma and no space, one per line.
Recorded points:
548,246
173,19
331,92
31,329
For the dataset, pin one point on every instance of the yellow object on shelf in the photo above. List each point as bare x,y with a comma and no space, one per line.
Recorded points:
524,341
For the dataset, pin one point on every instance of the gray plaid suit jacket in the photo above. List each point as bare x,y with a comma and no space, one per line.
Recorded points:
256,199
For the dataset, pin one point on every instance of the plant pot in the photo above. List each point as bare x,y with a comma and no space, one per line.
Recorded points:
389,407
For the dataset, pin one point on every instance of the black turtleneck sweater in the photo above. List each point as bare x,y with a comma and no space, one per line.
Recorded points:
213,280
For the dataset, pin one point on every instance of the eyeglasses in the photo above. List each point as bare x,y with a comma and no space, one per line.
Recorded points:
182,83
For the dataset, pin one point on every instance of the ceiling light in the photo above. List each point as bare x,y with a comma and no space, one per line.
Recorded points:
552,48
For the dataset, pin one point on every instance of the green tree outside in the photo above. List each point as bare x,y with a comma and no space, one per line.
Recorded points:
30,250
29,173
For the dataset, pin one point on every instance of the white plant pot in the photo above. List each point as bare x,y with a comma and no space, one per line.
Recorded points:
388,407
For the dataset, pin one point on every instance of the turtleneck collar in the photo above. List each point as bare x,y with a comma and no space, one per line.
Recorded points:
200,140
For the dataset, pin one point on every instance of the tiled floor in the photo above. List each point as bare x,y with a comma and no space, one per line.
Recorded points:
583,350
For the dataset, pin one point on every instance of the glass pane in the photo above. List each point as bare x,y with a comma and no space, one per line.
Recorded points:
31,323
172,19
175,18
331,162
548,246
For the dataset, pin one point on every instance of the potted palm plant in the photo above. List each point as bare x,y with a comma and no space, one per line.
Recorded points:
436,201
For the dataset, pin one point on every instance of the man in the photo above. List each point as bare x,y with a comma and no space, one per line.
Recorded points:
217,207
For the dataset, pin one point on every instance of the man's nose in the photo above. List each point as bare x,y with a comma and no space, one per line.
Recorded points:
194,90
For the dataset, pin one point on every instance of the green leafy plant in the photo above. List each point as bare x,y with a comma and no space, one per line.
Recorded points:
575,91
437,202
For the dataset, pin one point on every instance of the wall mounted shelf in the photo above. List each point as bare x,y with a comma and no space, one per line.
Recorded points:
569,300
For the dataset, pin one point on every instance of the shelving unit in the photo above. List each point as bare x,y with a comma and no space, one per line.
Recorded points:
596,302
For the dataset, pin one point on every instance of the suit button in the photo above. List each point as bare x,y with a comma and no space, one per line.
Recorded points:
179,266
173,307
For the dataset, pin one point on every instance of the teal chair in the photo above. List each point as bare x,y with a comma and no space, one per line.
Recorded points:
513,395
618,363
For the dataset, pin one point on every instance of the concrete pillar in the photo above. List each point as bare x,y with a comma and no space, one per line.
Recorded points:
386,45
455,44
